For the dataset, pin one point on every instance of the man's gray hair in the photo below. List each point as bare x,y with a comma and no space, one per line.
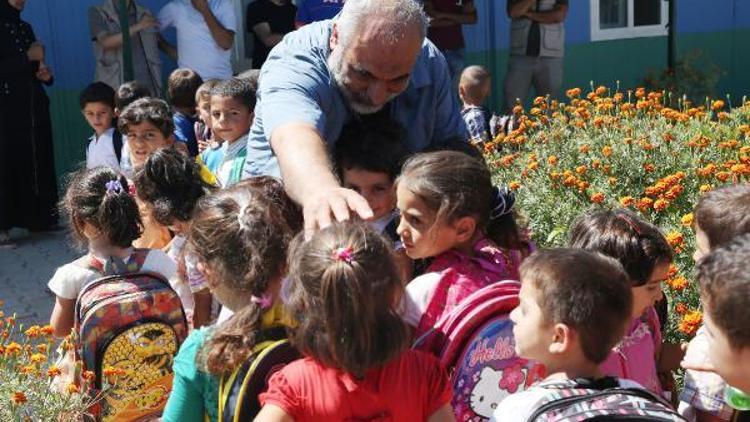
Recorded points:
399,16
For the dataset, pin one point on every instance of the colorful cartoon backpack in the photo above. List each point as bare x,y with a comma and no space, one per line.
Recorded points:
238,393
133,323
475,343
600,400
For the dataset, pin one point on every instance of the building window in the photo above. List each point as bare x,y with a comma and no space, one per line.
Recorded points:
617,19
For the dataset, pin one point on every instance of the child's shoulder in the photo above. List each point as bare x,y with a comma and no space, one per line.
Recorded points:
158,261
68,279
519,406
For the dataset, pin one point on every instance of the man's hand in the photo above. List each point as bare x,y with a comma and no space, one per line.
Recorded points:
201,6
146,22
334,202
35,52
44,74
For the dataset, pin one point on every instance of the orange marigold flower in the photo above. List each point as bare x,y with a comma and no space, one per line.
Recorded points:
687,220
47,330
33,332
672,271
552,160
581,169
612,180
607,151
667,137
705,188
640,92
10,320
583,185
41,348
12,349
717,105
38,358
681,308
573,92
645,204
28,369
690,322
600,90
517,109
570,181
597,198
584,149
649,167
53,371
722,115
514,185
679,283
661,204
627,201
72,389
18,398
533,165
88,375
723,176
675,238
674,192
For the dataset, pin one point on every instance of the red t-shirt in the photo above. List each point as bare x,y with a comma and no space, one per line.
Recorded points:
409,388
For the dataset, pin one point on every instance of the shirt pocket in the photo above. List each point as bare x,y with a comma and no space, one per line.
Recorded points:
553,38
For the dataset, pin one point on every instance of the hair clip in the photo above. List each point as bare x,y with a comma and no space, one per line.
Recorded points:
629,221
344,254
132,190
114,187
503,202
264,300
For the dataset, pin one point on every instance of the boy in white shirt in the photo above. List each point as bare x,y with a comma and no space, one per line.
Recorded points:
97,103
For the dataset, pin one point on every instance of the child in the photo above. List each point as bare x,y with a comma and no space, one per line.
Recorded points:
568,320
473,89
181,89
450,211
232,105
97,103
147,124
369,158
202,127
125,95
645,255
720,216
725,294
170,184
240,238
105,218
344,291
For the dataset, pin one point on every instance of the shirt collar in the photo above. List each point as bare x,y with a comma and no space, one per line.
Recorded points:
232,149
107,134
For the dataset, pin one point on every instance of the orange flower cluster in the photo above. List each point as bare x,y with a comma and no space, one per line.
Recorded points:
18,398
666,190
679,283
690,322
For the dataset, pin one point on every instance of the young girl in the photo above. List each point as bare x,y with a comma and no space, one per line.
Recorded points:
239,237
344,291
103,216
450,211
645,254
170,184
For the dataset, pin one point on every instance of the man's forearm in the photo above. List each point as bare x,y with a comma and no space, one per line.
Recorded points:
555,15
167,48
223,37
519,8
303,160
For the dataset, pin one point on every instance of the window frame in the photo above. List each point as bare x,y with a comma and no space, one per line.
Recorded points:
630,31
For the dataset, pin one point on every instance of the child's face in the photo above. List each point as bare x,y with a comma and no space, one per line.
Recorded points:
531,332
99,116
376,187
230,118
204,111
731,364
422,235
647,295
143,139
701,244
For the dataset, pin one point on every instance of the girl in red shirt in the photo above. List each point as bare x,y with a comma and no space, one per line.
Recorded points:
344,289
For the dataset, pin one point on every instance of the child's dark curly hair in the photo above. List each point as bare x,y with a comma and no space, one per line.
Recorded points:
171,183
152,110
100,197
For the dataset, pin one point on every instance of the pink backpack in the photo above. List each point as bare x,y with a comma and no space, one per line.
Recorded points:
474,342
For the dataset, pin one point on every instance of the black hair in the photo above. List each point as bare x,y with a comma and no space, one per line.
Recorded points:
129,92
152,110
182,86
97,92
239,89
374,147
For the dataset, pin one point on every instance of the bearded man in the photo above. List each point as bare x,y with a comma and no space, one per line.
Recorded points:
372,60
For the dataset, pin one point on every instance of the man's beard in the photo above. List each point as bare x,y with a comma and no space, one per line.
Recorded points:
359,102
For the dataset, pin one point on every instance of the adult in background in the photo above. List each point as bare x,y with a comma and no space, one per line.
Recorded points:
309,11
537,44
269,21
205,34
372,59
446,20
106,34
28,188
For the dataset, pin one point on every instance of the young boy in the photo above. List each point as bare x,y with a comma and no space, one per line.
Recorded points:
124,96
720,216
202,128
232,105
567,319
181,89
473,89
725,294
368,157
97,103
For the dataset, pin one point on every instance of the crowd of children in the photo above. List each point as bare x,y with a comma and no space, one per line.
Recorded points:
162,193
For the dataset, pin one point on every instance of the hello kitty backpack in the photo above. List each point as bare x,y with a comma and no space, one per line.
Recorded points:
475,343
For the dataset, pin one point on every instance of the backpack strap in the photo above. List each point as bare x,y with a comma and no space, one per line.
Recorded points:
436,305
237,166
114,266
117,144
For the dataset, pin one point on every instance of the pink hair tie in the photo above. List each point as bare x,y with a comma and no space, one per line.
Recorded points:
264,301
344,254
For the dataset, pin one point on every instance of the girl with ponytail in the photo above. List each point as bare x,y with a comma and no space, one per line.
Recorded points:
104,218
344,289
239,237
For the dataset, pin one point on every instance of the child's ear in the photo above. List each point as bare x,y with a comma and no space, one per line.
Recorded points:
465,228
461,92
170,139
562,338
117,113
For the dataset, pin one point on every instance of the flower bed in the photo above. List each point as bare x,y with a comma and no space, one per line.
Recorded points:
632,149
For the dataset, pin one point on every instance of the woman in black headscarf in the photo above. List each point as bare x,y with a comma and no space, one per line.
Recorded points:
28,188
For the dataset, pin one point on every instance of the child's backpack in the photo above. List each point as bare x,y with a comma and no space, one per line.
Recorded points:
129,323
475,343
238,393
600,400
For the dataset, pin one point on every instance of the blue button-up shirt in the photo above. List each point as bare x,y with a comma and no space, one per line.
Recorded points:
296,87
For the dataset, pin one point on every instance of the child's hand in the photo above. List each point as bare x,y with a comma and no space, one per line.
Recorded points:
35,52
670,357
43,74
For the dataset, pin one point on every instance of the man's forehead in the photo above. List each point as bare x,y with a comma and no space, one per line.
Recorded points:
386,59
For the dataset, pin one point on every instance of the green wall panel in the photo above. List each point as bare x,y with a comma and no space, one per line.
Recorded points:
70,131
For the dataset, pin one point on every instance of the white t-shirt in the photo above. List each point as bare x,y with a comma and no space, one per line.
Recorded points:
196,48
101,151
418,294
520,406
